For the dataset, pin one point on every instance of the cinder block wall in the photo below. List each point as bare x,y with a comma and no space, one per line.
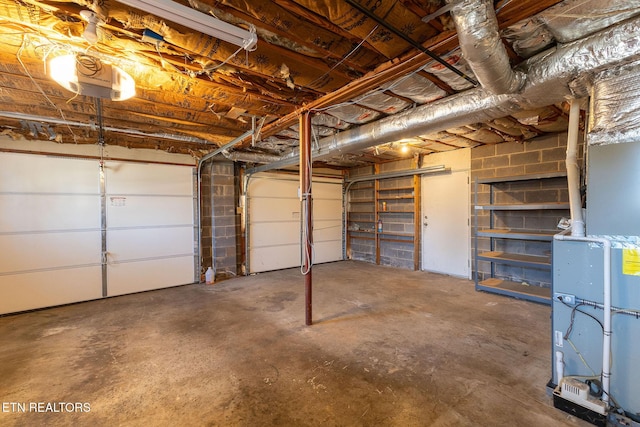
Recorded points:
220,223
362,195
540,155
226,221
362,213
396,253
206,241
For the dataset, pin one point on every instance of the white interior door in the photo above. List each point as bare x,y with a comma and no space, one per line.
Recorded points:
445,223
274,221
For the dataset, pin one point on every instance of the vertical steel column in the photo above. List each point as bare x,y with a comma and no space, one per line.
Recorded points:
307,206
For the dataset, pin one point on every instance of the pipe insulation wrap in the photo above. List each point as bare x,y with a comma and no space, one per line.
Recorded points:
616,106
482,47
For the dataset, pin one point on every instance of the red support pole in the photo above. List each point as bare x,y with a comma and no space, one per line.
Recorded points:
307,206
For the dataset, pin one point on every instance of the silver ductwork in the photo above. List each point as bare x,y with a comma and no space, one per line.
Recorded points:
482,47
615,106
573,19
549,80
250,157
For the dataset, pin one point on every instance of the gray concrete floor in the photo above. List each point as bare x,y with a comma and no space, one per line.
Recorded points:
388,348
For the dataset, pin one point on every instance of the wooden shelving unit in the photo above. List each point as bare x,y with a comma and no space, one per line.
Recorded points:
392,203
496,256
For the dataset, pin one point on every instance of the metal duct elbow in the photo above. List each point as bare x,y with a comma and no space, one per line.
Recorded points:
482,47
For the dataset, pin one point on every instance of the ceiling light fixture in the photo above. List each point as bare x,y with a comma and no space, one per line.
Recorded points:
198,21
86,75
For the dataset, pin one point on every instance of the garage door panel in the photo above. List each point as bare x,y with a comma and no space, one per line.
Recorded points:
51,229
274,221
150,227
326,208
279,187
131,244
263,259
136,178
279,209
24,252
41,174
129,277
49,288
50,236
29,212
323,251
274,234
322,190
136,211
327,230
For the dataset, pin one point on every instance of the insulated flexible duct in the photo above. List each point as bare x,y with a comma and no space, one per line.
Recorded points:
615,115
482,46
548,77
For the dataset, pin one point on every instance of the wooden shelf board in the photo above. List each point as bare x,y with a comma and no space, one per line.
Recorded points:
515,289
351,236
516,259
399,198
410,187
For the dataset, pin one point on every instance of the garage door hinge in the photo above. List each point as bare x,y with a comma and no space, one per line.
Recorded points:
104,257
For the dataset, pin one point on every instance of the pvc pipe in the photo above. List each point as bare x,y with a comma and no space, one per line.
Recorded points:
573,171
606,341
559,366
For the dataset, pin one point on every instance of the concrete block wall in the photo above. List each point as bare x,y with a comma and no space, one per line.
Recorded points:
226,220
206,209
540,155
220,223
362,215
392,252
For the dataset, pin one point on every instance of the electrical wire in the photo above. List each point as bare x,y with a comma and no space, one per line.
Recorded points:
19,58
210,70
344,58
575,309
594,376
307,247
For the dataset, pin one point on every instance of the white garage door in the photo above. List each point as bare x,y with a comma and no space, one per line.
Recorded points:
150,226
274,221
51,238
